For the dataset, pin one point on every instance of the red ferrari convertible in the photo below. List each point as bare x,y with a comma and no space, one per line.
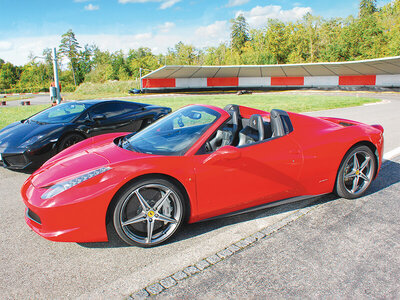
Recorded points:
197,163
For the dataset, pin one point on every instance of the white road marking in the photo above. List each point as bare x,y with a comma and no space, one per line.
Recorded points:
391,154
377,103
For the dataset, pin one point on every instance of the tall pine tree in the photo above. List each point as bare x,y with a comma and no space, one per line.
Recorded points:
69,48
239,33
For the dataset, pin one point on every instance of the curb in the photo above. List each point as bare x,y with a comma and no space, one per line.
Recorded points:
174,279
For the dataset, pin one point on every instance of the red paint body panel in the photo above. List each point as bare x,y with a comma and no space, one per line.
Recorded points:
158,82
287,81
303,162
246,112
231,185
223,81
357,80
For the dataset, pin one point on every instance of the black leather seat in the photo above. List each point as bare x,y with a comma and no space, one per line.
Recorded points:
223,137
254,132
235,121
276,123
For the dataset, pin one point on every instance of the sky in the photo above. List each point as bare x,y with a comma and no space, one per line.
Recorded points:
29,26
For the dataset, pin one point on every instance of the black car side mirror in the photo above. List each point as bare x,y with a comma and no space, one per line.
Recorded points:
98,117
223,154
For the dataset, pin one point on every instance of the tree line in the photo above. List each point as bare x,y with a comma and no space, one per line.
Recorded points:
373,33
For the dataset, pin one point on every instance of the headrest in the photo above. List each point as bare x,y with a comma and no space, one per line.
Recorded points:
234,111
257,123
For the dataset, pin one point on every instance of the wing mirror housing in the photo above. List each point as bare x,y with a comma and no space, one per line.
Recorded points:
223,154
98,117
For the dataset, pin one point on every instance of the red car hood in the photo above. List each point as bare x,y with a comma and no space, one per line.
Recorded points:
79,159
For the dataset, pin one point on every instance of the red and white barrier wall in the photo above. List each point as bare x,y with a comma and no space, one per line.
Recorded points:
247,82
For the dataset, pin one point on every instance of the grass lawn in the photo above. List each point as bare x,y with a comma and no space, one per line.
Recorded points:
11,114
107,89
295,103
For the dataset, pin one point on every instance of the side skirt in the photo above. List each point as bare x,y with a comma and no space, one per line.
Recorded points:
264,206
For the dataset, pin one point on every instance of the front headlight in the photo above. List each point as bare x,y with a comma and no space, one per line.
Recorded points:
31,141
63,186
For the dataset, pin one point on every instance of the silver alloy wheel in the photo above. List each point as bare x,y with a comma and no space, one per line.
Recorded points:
150,214
358,172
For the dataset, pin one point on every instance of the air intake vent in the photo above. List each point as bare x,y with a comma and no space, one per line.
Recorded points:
34,217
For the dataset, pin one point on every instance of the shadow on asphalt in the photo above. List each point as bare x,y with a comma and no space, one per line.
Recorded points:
388,176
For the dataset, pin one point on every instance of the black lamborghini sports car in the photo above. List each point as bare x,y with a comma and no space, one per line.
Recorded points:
27,144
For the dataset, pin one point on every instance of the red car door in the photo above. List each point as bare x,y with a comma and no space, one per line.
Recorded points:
235,178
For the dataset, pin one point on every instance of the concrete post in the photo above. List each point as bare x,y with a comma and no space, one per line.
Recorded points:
57,84
140,76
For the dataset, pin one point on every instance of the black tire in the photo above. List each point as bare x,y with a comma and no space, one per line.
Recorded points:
69,140
356,173
133,219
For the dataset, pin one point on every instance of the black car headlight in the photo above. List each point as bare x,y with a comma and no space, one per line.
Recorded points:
31,141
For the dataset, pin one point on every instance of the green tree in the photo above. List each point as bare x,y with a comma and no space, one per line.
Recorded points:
185,54
329,33
34,76
69,47
389,21
367,8
278,35
239,33
101,67
144,59
85,62
215,55
9,75
48,62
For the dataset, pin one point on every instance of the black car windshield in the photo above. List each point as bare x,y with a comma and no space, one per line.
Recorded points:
62,113
175,133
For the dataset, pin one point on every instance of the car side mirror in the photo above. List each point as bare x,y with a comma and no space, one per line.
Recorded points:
222,154
98,117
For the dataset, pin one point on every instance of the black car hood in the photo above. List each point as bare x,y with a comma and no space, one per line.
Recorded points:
15,134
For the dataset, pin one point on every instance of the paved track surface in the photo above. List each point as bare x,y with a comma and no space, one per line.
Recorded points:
35,100
340,249
33,267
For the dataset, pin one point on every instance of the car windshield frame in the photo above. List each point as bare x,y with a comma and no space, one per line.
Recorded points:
44,117
174,134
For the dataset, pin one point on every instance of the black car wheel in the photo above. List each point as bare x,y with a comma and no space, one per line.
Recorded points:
355,173
149,212
69,140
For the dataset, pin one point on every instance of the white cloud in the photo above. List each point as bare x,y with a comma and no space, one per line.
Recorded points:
92,7
5,45
164,3
217,30
166,27
168,3
143,36
232,3
259,15
137,1
17,50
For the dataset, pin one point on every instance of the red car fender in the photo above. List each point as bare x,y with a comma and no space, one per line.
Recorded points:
173,167
325,144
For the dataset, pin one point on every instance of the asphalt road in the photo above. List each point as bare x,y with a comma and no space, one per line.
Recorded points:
35,100
33,267
340,249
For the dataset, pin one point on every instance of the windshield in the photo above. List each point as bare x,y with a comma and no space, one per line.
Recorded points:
175,133
62,113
